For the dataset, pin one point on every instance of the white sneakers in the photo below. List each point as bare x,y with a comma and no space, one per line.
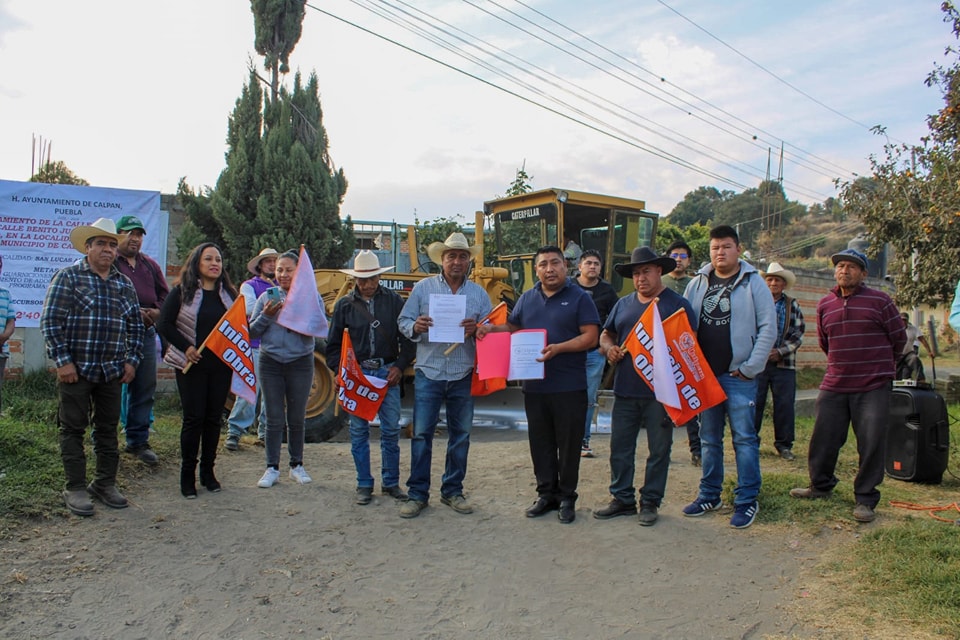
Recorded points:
272,476
300,474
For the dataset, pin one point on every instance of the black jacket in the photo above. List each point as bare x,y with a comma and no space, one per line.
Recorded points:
350,312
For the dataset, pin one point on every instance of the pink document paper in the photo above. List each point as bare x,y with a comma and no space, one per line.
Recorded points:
511,355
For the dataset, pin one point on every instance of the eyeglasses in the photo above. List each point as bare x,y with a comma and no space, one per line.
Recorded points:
678,255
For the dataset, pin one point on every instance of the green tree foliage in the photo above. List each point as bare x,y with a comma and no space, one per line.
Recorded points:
699,206
57,173
301,195
696,235
521,184
279,188
277,26
912,201
436,230
233,204
200,225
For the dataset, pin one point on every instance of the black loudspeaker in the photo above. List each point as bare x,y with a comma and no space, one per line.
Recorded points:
918,439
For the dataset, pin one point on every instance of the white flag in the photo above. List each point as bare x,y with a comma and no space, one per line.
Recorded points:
664,386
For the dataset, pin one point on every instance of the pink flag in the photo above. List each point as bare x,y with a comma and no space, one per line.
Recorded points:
302,311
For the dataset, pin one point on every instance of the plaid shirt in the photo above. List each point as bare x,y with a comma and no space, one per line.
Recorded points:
790,332
92,322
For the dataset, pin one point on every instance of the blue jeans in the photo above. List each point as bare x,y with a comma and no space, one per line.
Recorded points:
389,438
595,363
629,416
285,387
739,407
140,392
428,396
783,383
242,414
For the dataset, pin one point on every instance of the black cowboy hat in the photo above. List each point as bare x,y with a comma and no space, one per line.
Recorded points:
645,255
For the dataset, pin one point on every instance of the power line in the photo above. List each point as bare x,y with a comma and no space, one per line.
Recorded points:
562,108
565,85
652,150
777,140
768,71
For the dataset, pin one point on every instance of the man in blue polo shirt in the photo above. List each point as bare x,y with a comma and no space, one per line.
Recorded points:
557,405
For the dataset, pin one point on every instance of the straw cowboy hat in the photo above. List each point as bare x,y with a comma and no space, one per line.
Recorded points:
254,264
103,227
645,255
366,265
455,240
784,274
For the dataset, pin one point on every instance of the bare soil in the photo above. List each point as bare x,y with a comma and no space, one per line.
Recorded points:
306,562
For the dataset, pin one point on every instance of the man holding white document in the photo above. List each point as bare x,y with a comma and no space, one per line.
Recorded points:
555,401
635,404
443,378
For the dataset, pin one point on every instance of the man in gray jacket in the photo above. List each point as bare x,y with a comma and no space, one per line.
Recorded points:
738,327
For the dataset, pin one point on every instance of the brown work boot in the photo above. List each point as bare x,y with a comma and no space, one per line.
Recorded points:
108,496
863,513
78,502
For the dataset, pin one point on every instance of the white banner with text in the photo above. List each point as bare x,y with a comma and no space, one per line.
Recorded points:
35,224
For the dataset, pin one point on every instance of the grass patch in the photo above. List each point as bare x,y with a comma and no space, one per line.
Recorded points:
810,377
900,577
31,471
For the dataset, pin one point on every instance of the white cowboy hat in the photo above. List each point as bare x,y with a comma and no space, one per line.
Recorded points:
455,240
784,274
104,227
365,265
254,264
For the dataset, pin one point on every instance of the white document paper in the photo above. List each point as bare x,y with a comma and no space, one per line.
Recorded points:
525,347
447,312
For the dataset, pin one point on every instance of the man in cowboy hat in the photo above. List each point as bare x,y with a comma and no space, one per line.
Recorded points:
737,329
861,332
369,313
556,405
441,378
152,289
780,374
635,405
263,266
94,334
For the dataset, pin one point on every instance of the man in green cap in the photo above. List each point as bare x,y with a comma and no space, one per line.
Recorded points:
151,285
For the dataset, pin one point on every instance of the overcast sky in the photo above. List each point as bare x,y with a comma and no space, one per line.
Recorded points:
666,95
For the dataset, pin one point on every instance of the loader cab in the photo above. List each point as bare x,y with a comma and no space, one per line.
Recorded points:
612,226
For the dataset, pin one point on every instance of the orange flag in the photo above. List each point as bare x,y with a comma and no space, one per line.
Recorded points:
358,394
480,387
230,341
691,387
